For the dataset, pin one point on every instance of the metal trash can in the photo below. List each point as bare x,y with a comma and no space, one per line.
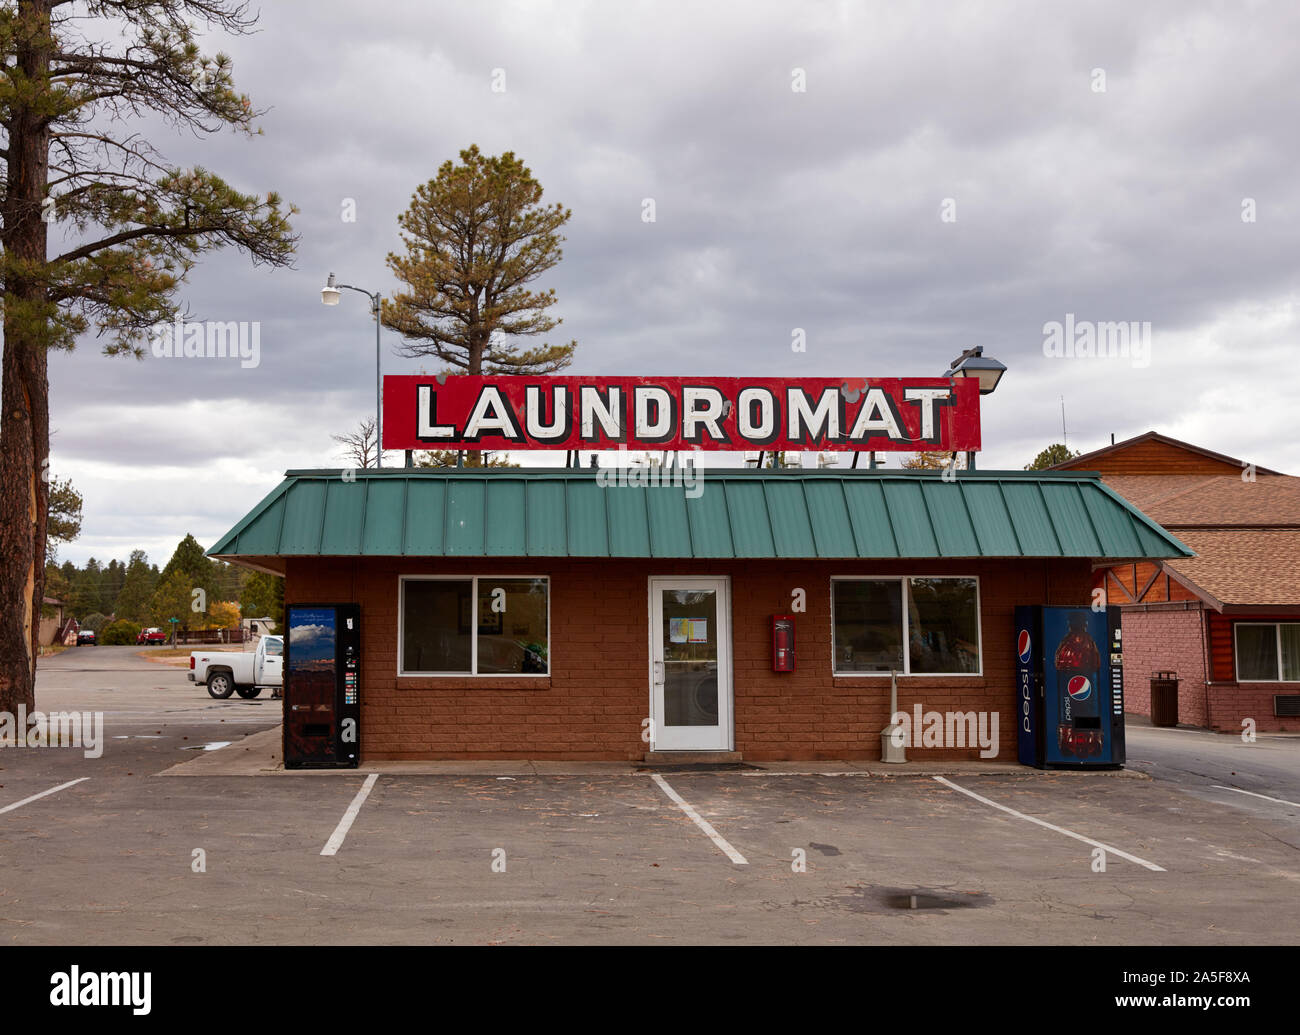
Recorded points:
1164,699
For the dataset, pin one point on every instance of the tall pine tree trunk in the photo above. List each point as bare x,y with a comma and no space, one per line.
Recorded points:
24,393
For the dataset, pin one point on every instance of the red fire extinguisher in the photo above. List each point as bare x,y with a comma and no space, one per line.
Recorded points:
783,656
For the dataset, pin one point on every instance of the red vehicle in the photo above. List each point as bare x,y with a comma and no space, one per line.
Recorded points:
151,636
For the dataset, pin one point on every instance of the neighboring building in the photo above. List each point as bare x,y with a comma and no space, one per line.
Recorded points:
1227,620
255,628
51,625
558,613
1154,453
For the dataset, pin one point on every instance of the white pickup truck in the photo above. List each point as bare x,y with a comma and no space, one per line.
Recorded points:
241,672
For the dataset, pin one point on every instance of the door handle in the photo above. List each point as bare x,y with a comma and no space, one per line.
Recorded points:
658,673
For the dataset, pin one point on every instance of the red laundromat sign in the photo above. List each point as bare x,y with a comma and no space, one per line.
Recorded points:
655,413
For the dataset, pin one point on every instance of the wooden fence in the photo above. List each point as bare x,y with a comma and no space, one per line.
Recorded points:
188,636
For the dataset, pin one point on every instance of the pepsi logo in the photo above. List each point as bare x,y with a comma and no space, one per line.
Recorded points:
1079,688
1023,646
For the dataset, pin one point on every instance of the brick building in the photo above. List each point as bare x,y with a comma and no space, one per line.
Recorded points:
1227,620
545,614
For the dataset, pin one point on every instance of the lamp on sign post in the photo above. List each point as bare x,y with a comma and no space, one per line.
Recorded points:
973,363
329,295
985,369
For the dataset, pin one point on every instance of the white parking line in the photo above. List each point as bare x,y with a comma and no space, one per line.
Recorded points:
1052,826
701,822
1280,801
345,824
20,804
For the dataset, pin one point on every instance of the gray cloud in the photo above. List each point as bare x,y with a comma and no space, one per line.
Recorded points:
775,210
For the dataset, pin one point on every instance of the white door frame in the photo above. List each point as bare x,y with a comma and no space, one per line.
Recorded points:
691,738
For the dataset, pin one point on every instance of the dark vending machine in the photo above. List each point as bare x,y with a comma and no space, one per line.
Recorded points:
322,672
1069,687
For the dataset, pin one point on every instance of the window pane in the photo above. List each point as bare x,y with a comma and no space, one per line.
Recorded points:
1290,633
274,648
690,642
512,625
943,626
1257,652
436,633
867,617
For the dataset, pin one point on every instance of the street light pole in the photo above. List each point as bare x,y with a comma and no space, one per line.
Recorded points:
330,296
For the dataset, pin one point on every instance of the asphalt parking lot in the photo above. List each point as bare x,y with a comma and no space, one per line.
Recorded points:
125,856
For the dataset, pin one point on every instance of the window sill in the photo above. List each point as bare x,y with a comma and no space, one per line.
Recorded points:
462,683
911,684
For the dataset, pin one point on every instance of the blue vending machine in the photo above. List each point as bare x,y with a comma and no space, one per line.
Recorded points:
1069,687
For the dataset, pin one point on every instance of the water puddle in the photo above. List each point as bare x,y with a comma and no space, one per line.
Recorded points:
871,899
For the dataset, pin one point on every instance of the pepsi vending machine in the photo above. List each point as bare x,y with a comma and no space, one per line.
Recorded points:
322,672
1069,687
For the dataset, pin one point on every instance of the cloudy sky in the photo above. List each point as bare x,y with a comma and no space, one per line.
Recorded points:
1113,161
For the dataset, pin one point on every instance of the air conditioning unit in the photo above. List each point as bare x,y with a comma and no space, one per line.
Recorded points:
1286,705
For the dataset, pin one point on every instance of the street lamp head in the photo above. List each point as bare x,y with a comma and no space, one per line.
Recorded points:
329,294
973,363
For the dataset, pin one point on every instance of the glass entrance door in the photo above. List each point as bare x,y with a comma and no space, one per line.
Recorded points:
690,664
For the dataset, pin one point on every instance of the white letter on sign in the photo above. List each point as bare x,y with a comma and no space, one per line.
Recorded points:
803,420
928,398
426,412
642,397
764,428
876,417
558,429
593,407
492,415
702,404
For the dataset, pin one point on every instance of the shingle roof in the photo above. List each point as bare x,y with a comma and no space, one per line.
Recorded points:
1243,567
1245,533
1186,501
512,512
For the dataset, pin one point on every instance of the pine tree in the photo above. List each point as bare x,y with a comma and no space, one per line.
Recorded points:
84,86
470,458
86,597
1057,453
476,236
197,570
114,577
933,461
137,587
173,598
64,522
263,597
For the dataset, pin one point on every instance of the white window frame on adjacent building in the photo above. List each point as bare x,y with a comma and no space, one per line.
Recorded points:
1277,643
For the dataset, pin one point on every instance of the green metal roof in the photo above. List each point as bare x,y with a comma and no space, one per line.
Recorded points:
565,512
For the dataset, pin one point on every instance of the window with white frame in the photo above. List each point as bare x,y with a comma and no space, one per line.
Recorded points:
1268,652
914,626
474,626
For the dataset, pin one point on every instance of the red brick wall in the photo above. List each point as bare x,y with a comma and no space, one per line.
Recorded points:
1232,701
593,703
1164,641
1171,640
